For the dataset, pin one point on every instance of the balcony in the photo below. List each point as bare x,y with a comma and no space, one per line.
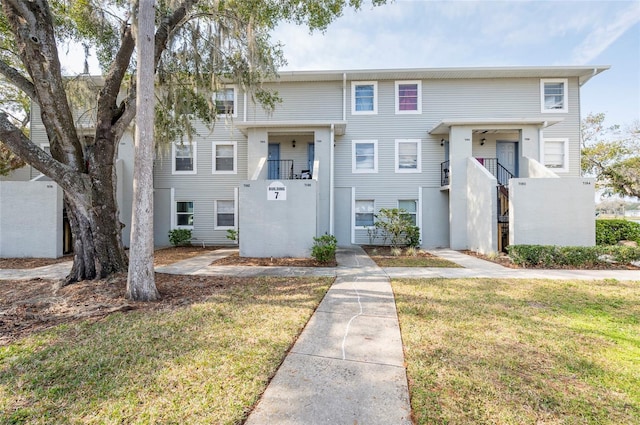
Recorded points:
495,168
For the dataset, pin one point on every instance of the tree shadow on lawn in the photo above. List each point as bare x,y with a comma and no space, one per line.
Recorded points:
204,354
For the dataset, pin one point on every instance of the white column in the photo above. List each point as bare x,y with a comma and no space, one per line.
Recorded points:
459,151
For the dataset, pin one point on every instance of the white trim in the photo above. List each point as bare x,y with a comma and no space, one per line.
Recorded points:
173,208
175,216
353,157
419,100
235,158
215,215
354,84
194,151
354,213
565,100
235,100
419,213
418,168
565,141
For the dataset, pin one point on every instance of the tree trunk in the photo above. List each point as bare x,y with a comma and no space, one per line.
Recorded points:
141,284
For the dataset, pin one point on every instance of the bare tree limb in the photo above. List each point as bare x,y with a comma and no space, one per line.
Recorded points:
17,79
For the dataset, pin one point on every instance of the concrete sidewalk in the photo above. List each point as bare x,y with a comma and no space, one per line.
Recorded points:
347,366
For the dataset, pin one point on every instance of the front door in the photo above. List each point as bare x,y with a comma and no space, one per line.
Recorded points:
507,153
274,161
311,150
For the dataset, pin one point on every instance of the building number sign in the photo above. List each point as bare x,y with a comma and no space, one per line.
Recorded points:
276,191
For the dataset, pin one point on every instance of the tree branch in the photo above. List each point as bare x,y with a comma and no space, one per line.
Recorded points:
20,145
17,79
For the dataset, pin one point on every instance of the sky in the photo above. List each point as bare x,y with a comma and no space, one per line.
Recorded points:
443,34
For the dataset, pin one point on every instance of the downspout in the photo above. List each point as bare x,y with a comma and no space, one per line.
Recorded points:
244,112
344,96
331,191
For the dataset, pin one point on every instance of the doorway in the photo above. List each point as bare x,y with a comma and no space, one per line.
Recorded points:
507,153
274,161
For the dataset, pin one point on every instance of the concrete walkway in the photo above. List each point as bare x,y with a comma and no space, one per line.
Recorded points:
347,366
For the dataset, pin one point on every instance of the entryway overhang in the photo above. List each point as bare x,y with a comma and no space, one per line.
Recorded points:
444,126
339,126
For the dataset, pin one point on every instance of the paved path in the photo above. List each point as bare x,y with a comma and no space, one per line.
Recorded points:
347,366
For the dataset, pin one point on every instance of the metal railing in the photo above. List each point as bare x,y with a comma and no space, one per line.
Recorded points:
497,170
444,173
280,169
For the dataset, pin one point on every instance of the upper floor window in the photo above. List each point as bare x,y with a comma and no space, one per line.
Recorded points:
226,101
184,214
225,214
364,213
408,156
408,97
365,97
553,94
225,157
184,157
555,154
365,156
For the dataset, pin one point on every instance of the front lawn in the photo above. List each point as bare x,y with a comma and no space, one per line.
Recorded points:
192,359
521,351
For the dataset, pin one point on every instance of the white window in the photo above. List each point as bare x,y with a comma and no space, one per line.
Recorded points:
408,156
184,156
364,95
364,213
184,214
225,214
225,157
411,209
555,154
226,101
408,97
365,156
553,95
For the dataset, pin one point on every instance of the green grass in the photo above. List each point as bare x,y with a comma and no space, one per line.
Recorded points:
200,364
521,351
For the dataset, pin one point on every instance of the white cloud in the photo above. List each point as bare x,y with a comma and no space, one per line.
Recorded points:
606,34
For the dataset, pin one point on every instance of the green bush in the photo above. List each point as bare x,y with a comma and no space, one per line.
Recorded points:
324,248
610,232
549,256
180,237
396,225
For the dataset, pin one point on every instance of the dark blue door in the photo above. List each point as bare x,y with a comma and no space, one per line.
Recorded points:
311,151
274,161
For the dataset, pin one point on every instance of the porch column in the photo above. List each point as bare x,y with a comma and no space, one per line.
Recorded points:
258,146
459,150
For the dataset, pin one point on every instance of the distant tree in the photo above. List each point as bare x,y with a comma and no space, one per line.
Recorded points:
199,46
611,155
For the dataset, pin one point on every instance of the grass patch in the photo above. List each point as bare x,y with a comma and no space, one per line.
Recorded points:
521,351
201,363
384,256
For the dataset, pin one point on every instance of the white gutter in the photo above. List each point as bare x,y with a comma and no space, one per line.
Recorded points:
344,96
331,177
593,74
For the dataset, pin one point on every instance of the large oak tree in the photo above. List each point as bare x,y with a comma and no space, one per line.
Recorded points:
199,45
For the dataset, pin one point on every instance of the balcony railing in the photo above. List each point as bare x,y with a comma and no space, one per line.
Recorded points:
444,173
280,169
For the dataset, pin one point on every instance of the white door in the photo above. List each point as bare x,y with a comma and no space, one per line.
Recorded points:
507,153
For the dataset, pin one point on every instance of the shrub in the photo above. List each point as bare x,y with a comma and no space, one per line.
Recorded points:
573,256
180,237
233,235
411,251
396,252
610,232
395,224
324,248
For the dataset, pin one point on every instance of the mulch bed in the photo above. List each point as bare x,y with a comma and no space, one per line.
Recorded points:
236,260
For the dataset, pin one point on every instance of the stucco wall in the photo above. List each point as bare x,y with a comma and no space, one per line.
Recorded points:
434,230
30,219
481,208
552,212
277,228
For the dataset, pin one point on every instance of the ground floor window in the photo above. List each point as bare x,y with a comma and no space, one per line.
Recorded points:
555,154
225,214
184,214
411,208
364,213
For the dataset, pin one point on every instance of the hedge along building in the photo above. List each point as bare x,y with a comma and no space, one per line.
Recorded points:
478,157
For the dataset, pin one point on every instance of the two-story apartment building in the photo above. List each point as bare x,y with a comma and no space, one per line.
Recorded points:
479,158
